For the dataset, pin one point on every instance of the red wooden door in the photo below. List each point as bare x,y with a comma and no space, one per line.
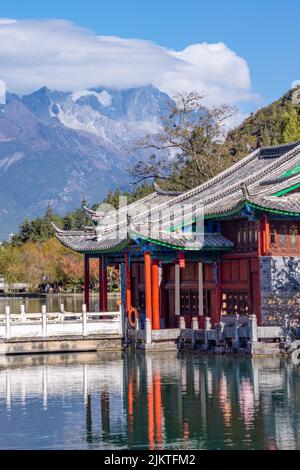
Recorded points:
170,320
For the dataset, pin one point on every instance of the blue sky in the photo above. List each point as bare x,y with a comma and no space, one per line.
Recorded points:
264,33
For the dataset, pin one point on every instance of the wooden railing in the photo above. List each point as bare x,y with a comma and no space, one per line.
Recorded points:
59,324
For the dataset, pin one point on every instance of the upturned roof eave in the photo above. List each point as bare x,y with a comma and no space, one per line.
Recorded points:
94,251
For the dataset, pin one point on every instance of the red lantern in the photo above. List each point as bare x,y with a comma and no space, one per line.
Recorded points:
181,259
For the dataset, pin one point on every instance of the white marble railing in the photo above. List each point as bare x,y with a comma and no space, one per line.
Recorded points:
49,324
235,328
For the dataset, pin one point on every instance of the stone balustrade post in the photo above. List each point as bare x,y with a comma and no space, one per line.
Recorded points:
220,330
23,313
181,323
236,340
252,325
137,325
181,326
207,327
121,320
194,326
148,331
287,329
84,320
7,322
61,311
44,320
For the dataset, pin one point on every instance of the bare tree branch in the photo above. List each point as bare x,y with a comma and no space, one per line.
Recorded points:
196,135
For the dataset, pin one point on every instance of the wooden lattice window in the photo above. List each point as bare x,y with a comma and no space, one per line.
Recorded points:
239,235
282,236
273,236
234,302
293,232
189,302
246,236
250,235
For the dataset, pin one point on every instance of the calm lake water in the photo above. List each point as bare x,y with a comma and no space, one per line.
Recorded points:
72,303
167,400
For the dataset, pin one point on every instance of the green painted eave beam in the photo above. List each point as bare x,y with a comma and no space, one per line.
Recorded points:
287,190
291,172
274,211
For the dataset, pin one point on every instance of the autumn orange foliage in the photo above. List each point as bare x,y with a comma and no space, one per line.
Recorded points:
50,263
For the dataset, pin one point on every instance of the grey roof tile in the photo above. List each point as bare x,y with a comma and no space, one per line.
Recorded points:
221,195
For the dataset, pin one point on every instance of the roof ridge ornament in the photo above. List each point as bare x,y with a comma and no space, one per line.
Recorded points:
87,209
245,191
95,215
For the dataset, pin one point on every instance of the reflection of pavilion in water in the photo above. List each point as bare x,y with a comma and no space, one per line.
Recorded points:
159,401
212,403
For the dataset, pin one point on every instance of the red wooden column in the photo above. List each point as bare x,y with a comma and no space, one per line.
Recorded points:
155,295
87,281
148,295
267,229
215,317
100,285
259,237
265,235
263,238
104,284
128,282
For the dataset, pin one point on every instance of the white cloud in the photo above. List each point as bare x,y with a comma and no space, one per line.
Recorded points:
7,21
63,56
104,97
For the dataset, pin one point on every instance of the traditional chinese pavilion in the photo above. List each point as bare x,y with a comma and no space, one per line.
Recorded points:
250,255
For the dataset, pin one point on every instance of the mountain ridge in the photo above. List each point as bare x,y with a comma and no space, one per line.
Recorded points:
61,147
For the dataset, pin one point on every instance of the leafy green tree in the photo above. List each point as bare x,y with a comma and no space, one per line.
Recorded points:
76,220
292,125
276,124
37,230
139,191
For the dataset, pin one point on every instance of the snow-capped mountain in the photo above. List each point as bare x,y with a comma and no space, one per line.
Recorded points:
62,146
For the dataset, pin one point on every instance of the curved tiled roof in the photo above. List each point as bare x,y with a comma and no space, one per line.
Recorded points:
211,241
85,243
151,200
245,182
284,204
